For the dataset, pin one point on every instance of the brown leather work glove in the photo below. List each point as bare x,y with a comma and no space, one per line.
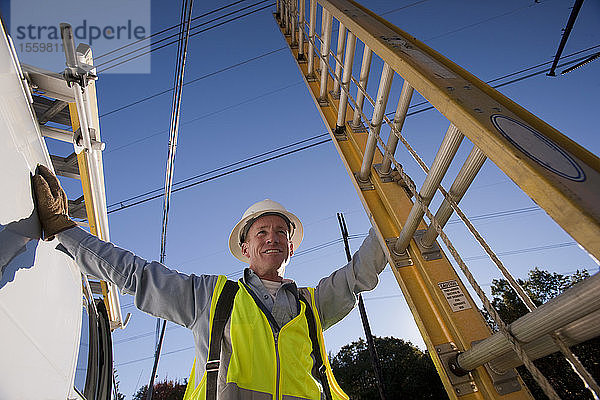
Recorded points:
52,204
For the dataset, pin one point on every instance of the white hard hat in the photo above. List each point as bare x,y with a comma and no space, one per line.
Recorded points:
255,211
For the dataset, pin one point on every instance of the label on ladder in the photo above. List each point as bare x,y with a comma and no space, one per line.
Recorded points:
454,295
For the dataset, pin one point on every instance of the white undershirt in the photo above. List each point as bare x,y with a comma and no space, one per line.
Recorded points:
272,287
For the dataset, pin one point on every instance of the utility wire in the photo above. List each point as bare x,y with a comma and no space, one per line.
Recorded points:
184,34
402,8
222,168
174,41
522,78
123,206
230,67
224,174
167,29
283,48
250,100
149,46
480,22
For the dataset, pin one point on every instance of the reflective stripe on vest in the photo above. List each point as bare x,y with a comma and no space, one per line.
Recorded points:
264,364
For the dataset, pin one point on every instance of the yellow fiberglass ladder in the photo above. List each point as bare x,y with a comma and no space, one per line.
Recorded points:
69,100
559,175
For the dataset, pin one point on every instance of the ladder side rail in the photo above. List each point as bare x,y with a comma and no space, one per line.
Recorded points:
84,116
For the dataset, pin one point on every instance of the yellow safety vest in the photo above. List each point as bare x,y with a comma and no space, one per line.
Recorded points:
265,364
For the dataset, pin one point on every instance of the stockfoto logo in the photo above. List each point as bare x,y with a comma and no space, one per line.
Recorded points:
116,23
83,32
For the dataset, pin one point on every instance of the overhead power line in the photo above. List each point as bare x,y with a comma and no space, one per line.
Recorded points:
151,192
182,47
462,28
175,41
252,99
230,67
149,46
167,29
522,78
283,48
402,8
124,206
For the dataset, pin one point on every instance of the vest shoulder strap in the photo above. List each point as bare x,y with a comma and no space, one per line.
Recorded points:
222,313
312,332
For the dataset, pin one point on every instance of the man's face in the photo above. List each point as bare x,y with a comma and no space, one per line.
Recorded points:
268,247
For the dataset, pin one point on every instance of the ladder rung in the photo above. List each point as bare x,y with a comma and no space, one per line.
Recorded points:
77,208
327,23
348,60
96,287
385,83
459,187
56,107
339,61
52,84
401,110
573,334
440,165
42,105
66,166
67,136
363,79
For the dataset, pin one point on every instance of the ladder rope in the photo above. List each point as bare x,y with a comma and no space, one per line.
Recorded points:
516,345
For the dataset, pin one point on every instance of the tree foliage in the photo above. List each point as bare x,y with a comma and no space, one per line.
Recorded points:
408,373
166,390
542,286
117,394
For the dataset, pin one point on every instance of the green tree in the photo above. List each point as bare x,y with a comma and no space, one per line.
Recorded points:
165,390
408,373
542,286
118,395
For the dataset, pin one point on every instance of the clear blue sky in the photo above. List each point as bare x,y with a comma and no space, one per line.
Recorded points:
263,105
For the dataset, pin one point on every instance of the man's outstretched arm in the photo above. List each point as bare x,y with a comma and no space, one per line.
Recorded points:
335,295
157,290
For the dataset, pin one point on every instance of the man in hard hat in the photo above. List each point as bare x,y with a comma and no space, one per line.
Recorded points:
259,338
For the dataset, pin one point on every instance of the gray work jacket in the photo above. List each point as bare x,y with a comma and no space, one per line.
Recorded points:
185,299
